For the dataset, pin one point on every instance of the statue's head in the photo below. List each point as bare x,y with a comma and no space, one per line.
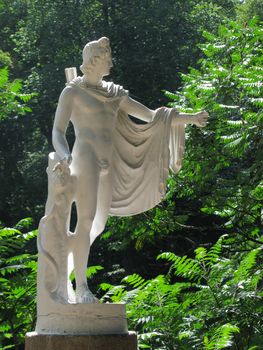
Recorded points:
97,56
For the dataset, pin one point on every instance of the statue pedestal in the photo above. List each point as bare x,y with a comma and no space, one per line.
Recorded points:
82,319
81,327
35,341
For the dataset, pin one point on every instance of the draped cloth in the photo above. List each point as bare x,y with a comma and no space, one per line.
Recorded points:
142,154
142,157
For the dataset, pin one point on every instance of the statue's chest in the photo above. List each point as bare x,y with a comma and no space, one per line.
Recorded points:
89,103
95,112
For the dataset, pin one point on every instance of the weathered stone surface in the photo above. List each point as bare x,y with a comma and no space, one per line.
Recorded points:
35,341
87,319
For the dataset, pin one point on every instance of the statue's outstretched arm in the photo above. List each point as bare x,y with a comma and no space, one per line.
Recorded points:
62,117
138,110
199,119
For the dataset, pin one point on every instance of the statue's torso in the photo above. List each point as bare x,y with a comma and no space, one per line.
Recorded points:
94,121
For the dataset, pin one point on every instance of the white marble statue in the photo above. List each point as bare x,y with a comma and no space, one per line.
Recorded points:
116,167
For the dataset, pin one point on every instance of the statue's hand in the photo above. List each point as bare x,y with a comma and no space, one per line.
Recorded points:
61,171
200,119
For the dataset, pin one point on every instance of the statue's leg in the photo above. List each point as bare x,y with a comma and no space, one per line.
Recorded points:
86,203
103,205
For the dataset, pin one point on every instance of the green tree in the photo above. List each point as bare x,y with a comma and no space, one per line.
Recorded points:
248,9
216,305
223,166
14,129
17,284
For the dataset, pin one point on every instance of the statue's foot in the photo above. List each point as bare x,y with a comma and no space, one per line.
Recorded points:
84,296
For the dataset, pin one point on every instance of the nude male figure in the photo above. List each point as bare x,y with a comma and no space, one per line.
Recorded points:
94,122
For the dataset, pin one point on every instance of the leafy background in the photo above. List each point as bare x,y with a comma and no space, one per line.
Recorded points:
190,270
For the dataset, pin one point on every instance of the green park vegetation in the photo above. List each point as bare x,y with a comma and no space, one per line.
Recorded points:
190,270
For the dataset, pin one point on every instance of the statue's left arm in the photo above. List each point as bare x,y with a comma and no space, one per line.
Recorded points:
138,110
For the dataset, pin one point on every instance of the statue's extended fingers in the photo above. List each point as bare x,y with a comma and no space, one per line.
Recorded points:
202,123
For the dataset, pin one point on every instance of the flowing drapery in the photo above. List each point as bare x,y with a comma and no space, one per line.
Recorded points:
142,154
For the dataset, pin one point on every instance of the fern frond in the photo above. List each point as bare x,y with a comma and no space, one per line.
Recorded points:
222,337
18,258
230,138
8,232
200,253
11,269
29,235
247,263
171,257
214,252
135,280
171,95
235,123
188,268
92,270
3,77
228,106
258,102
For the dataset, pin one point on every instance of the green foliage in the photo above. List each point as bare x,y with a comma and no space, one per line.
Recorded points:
223,166
248,9
222,337
218,304
12,100
17,284
5,59
19,163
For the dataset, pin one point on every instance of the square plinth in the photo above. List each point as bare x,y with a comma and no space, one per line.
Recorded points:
83,319
35,341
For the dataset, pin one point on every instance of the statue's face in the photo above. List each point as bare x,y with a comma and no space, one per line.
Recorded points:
104,65
97,58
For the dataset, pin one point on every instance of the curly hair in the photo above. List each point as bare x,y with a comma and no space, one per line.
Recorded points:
94,51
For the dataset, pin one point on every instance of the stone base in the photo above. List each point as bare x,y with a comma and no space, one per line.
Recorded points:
35,341
82,319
